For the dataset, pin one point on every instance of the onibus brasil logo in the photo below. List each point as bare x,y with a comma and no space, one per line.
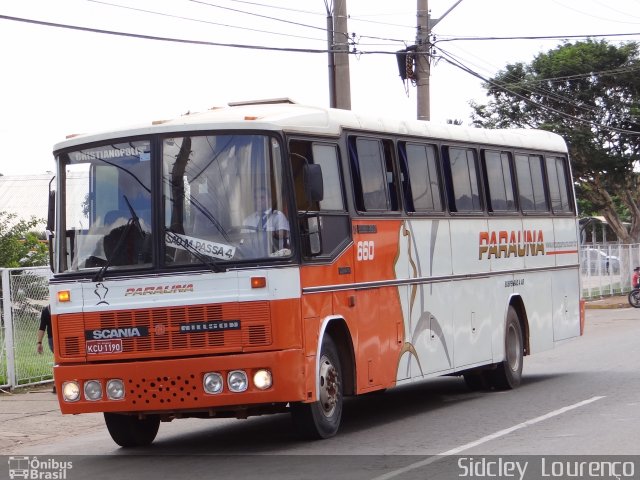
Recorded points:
37,469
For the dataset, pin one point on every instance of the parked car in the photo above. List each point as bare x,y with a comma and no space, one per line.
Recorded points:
597,261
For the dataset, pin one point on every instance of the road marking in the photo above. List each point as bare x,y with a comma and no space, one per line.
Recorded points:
488,438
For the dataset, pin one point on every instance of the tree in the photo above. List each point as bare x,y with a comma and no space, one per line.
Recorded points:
588,92
20,245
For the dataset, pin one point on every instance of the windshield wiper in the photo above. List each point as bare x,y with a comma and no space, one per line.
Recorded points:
133,221
193,251
98,277
134,217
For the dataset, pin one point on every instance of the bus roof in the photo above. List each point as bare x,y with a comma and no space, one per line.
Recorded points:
283,115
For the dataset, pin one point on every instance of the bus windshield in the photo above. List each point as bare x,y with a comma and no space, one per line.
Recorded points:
220,201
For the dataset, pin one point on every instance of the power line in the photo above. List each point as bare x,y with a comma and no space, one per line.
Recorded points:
462,67
277,7
533,37
397,40
605,5
589,14
530,86
259,15
627,69
515,83
162,39
356,19
199,20
504,87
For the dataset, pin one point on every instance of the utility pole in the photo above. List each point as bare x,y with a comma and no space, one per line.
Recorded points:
423,56
338,37
332,65
423,66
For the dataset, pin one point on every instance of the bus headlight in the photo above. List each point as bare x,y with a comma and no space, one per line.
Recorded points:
115,389
212,383
92,390
262,379
71,391
237,381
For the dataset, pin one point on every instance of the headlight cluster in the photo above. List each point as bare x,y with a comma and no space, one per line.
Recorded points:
237,381
93,390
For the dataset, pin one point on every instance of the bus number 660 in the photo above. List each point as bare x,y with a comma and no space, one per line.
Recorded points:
366,250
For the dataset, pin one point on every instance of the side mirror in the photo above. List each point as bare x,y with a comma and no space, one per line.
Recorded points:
51,222
312,235
51,211
313,183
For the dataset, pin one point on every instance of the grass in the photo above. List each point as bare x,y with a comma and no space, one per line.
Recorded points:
29,365
605,291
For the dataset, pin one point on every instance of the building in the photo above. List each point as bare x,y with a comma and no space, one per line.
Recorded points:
26,196
596,231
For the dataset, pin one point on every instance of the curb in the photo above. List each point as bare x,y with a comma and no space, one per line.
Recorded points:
603,306
618,301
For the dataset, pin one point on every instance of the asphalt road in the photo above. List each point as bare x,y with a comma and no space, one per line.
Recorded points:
583,398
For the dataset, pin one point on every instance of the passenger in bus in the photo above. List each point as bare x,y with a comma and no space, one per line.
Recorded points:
127,245
129,239
266,219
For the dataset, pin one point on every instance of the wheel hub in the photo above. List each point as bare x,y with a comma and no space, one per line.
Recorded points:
329,386
513,348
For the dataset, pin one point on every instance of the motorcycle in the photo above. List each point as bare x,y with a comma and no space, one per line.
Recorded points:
634,298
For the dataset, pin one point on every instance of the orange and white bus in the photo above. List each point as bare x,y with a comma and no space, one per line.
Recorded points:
270,257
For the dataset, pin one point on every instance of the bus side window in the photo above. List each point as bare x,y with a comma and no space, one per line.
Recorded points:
373,175
531,183
421,182
329,214
327,157
559,189
499,181
461,170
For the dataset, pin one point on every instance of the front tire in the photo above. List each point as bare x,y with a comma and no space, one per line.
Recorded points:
508,373
634,298
131,431
321,419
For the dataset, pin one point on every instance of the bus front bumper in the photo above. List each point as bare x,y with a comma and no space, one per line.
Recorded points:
177,385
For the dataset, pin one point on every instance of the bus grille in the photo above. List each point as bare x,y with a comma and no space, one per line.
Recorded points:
162,329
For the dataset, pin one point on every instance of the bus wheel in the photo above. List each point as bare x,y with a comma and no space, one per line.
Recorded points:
131,431
634,298
508,373
321,419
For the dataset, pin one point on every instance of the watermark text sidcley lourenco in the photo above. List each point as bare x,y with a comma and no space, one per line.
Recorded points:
548,468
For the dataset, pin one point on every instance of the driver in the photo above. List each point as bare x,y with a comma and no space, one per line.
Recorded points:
267,219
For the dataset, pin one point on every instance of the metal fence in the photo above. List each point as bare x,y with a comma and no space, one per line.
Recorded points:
605,271
24,293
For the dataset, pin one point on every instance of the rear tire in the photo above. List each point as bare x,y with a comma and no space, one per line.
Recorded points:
131,431
321,419
508,373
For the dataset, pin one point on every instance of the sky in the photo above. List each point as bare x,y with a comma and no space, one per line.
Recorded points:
56,82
